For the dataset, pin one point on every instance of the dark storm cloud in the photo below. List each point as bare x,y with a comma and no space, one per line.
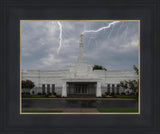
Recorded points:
115,48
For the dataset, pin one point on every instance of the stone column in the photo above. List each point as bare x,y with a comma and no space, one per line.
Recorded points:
41,91
64,90
98,91
110,89
51,88
46,88
115,89
121,90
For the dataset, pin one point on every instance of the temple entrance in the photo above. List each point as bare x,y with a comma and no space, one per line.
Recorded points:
81,89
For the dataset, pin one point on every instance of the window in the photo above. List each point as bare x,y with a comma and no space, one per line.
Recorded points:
53,88
108,88
112,88
118,88
48,88
81,89
43,88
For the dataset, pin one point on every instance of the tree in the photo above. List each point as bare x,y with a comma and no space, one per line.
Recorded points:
124,84
136,82
27,85
99,67
23,84
133,84
136,69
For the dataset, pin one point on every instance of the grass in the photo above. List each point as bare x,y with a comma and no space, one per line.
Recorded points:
126,96
41,111
102,110
33,96
118,110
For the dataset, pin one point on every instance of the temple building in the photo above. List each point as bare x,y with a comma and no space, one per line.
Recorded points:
80,80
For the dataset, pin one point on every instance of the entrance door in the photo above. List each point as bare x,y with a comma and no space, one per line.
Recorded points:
81,89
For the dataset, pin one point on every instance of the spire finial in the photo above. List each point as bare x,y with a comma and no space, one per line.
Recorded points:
81,37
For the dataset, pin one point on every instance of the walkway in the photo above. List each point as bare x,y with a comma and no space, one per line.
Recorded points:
78,99
68,110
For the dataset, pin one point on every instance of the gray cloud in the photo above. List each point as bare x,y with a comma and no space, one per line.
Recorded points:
115,48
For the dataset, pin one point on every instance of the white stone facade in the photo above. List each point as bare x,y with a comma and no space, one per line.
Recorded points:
81,72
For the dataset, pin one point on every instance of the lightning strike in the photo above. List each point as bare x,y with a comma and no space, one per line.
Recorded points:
100,29
60,36
93,31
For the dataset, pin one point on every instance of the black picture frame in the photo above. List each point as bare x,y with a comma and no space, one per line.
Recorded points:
12,11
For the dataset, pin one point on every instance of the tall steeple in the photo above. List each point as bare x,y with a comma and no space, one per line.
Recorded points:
81,58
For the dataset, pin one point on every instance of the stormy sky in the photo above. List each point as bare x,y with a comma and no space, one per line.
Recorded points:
115,48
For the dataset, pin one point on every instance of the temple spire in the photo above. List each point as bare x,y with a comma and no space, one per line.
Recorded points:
81,37
81,58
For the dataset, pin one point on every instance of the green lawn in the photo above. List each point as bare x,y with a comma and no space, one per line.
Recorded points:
33,96
41,111
118,110
126,96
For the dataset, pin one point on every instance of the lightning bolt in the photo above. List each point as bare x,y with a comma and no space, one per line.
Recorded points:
60,36
102,28
94,31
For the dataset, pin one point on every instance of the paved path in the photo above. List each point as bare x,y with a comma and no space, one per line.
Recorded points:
78,99
68,110
79,103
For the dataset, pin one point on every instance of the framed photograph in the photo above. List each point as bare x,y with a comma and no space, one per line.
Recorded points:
62,81
80,67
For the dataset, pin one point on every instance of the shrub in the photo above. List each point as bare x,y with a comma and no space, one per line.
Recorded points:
27,93
123,94
112,94
58,95
132,94
99,67
43,93
39,93
32,92
103,95
52,96
127,93
106,93
49,94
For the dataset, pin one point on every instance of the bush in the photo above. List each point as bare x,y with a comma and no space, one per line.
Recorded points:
99,67
44,93
39,93
132,94
58,95
127,93
27,93
52,96
106,93
47,95
112,94
123,94
103,95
